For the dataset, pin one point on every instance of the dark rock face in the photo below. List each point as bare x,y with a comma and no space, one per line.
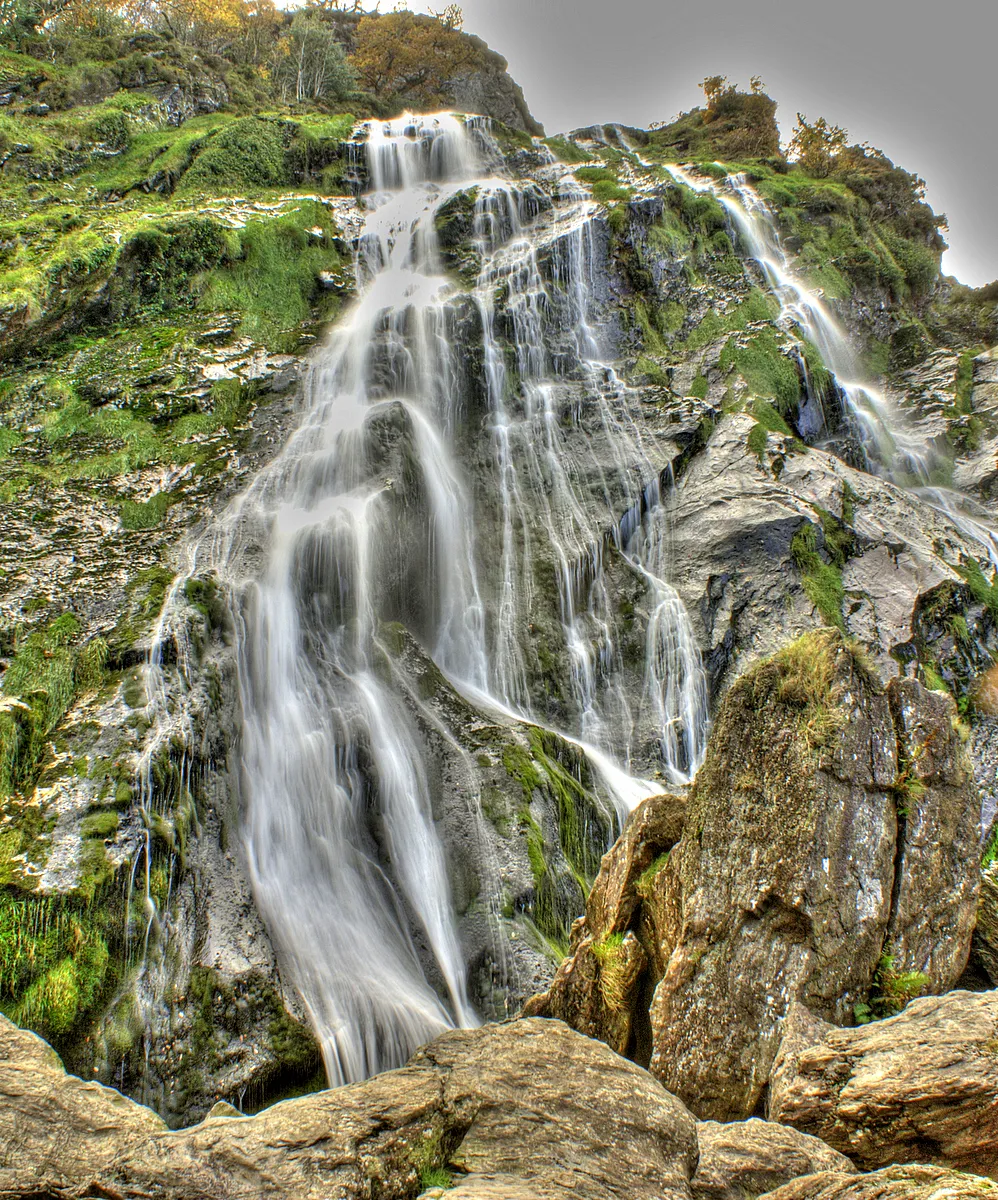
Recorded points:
921,1086
832,823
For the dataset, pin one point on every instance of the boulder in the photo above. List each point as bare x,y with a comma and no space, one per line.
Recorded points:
597,988
525,1109
894,1183
743,1159
830,838
834,821
919,1087
56,1130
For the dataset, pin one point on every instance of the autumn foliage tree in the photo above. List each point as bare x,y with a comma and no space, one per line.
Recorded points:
405,52
816,145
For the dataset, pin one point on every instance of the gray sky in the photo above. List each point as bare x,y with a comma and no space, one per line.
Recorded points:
914,78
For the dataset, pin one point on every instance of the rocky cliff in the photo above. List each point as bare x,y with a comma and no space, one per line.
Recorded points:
677,516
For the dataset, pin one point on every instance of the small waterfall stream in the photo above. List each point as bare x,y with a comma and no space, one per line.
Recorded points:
374,513
890,447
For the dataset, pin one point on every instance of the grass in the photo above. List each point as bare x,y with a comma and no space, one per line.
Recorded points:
38,687
609,953
822,581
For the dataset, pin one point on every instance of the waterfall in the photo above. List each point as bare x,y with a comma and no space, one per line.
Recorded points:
888,445
378,511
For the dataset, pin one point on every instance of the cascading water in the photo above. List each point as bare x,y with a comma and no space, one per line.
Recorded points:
366,518
889,447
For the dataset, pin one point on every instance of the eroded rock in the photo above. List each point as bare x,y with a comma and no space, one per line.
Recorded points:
529,1107
919,1087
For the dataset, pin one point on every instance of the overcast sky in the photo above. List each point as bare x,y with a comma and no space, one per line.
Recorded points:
917,80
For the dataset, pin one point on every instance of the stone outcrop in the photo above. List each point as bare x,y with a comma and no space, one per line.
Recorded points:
919,1087
522,1109
835,821
894,1183
747,1158
597,988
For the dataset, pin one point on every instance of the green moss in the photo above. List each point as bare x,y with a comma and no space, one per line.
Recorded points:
822,581
699,387
768,372
756,441
964,382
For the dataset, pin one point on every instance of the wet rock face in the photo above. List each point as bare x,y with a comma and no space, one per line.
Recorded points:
919,1087
736,517
834,822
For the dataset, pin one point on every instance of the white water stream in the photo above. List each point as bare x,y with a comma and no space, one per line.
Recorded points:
890,447
368,516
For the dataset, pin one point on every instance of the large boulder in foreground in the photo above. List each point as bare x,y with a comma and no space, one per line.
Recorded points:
919,1087
524,1109
835,821
56,1130
747,1158
894,1183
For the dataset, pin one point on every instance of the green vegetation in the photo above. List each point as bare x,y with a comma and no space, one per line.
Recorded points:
822,580
48,668
645,882
769,373
892,990
583,829
609,953
984,592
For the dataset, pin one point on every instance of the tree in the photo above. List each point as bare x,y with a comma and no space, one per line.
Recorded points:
815,146
312,65
714,87
207,24
407,54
